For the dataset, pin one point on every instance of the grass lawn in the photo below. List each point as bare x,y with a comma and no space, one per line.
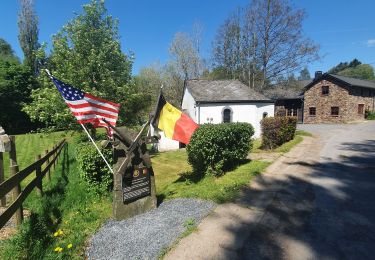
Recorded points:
284,148
30,145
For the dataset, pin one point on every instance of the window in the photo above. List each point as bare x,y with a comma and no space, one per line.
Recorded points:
312,111
325,90
265,114
334,111
292,112
227,115
360,109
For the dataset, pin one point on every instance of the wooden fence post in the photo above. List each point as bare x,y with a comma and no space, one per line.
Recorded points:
48,172
12,153
54,154
38,171
18,215
3,201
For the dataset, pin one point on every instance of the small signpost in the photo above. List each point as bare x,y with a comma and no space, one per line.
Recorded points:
134,183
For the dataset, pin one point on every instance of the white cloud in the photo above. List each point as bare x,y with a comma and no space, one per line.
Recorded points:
371,43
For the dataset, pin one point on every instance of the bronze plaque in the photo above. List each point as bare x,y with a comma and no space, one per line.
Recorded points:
136,184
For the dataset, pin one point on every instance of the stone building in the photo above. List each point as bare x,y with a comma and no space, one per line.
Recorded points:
337,99
288,98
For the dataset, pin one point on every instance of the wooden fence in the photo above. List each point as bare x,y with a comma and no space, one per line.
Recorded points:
14,182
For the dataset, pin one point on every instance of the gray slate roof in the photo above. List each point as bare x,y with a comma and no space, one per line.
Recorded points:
287,90
222,91
356,82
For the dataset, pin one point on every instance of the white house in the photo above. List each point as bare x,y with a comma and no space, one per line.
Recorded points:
220,101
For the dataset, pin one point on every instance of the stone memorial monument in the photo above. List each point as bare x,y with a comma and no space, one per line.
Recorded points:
134,183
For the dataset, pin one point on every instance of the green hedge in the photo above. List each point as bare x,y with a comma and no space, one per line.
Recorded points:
218,147
94,171
277,130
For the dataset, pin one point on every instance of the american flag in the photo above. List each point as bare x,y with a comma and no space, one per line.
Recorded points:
88,108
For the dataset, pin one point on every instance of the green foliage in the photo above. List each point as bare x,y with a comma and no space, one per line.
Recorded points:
363,71
277,130
219,147
370,115
87,54
344,65
7,53
16,84
94,171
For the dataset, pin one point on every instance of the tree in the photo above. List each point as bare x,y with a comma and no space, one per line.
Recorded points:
184,54
87,54
28,33
7,53
263,42
16,83
362,71
344,65
304,74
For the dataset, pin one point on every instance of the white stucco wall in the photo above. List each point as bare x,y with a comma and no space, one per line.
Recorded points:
251,112
165,144
188,105
241,112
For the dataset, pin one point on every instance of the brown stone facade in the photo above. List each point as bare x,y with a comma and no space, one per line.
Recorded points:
350,101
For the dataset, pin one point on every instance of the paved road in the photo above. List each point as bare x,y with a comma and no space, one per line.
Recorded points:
326,208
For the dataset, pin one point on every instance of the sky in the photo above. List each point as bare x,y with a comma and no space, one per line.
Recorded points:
344,29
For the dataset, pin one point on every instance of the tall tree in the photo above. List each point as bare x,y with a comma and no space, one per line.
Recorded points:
344,65
184,54
272,42
16,83
28,33
87,54
304,74
7,53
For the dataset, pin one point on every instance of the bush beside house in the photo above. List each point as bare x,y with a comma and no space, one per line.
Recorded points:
218,147
277,130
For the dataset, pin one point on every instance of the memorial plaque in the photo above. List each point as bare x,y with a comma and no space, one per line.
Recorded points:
136,184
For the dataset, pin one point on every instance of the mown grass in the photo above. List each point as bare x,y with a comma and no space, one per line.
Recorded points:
30,145
284,148
177,180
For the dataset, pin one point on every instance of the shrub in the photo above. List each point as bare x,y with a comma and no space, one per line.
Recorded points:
369,115
277,130
94,171
217,148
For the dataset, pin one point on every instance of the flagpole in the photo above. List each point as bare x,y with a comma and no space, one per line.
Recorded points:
97,148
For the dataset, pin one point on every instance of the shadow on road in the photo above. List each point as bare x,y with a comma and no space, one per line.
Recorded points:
330,215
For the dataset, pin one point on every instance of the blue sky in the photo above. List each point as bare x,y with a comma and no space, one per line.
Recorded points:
344,29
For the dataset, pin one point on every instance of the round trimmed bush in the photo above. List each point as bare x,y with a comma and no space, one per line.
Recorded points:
217,148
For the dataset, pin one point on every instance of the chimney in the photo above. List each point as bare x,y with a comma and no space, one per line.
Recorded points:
318,74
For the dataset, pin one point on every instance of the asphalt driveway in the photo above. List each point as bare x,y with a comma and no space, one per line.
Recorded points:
315,202
326,211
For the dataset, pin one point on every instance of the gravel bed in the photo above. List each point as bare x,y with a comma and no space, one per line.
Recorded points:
146,235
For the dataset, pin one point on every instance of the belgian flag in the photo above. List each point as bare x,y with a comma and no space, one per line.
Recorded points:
175,124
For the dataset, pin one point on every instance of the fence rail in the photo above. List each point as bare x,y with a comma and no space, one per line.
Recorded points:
13,183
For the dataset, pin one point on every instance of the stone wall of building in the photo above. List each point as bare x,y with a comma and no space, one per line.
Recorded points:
346,98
